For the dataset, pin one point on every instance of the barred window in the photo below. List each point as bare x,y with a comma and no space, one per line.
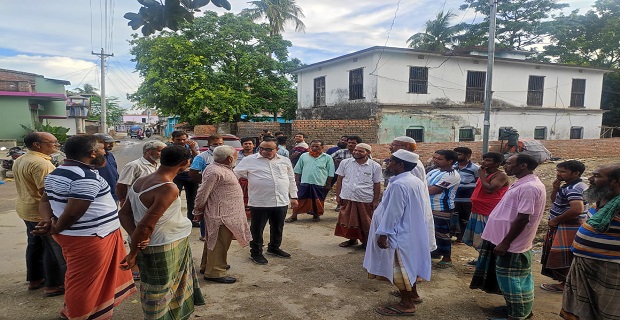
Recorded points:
474,93
417,133
356,84
319,91
578,93
535,88
540,133
418,80
466,134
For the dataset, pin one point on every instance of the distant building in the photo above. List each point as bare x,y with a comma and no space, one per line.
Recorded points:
27,98
435,97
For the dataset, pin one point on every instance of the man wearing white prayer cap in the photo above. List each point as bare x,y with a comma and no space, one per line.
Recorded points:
398,248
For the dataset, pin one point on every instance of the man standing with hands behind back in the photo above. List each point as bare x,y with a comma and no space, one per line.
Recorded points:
271,187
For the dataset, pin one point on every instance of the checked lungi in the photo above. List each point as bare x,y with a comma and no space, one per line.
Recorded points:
311,199
513,278
400,277
557,255
169,286
354,220
592,290
443,226
473,233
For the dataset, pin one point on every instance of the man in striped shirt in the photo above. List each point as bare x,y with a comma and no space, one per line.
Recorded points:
79,211
462,203
442,184
591,290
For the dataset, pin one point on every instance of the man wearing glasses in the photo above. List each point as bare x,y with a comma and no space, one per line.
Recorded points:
271,187
45,264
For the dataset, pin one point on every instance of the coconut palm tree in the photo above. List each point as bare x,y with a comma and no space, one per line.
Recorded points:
278,13
438,34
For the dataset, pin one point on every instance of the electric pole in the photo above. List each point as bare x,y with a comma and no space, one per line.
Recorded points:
104,123
488,93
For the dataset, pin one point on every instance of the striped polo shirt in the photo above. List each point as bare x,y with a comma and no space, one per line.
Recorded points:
469,176
601,246
448,181
75,180
566,194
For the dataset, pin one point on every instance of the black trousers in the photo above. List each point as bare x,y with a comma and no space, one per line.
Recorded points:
463,209
44,259
259,218
183,181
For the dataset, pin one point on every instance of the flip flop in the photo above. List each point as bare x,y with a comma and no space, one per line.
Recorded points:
58,292
443,265
396,293
393,312
551,287
347,243
38,285
290,220
316,218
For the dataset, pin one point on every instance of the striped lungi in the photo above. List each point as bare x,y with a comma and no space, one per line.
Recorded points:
94,282
169,286
473,233
485,277
592,290
400,277
311,199
442,232
557,255
354,220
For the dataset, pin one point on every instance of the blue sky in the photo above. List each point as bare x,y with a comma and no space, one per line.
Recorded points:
56,40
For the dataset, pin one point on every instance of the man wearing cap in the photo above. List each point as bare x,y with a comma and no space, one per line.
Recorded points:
398,247
109,171
357,192
409,144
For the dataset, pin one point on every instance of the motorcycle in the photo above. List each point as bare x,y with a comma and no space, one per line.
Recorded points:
11,156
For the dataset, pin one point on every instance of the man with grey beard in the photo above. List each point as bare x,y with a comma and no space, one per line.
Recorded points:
591,290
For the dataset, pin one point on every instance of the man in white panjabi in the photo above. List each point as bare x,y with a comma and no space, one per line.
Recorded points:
398,247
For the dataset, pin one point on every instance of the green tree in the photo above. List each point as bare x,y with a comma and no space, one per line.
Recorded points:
520,23
438,35
278,13
172,14
114,112
214,70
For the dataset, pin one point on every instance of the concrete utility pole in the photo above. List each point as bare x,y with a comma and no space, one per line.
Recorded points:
104,123
488,93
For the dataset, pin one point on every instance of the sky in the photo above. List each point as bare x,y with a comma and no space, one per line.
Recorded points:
57,41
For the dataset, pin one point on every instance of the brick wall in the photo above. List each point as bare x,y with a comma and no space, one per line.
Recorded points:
564,149
330,131
254,129
204,129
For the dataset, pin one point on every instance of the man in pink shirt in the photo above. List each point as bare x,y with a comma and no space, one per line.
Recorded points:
505,262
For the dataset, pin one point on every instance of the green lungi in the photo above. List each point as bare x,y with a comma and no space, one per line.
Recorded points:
169,286
514,277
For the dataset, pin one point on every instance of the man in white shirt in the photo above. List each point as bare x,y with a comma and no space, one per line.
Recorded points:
271,186
357,191
398,247
147,164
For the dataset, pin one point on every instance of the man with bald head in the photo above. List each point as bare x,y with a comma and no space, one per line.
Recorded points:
45,264
357,191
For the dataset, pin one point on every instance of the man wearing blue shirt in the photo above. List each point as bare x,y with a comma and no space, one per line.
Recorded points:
462,203
109,172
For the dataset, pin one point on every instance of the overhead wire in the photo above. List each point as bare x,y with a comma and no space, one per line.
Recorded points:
388,37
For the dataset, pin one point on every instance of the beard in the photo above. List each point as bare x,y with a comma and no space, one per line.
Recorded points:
595,193
98,161
342,145
388,174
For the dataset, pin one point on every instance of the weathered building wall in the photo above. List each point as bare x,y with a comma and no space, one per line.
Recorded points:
349,111
254,129
330,131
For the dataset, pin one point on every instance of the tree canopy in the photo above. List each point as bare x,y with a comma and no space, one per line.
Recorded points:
278,13
438,35
214,70
114,112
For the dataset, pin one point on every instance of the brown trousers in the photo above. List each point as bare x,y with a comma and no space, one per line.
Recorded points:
214,261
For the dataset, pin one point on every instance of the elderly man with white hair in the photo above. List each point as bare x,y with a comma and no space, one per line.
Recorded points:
409,144
220,200
357,191
145,165
398,247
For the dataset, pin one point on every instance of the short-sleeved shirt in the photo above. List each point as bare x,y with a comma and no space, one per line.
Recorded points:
342,154
315,170
448,181
240,156
566,194
202,160
527,196
282,151
469,176
30,171
358,179
333,149
75,180
136,169
109,172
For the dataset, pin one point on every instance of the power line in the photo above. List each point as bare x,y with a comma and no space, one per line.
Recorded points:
388,37
126,72
91,25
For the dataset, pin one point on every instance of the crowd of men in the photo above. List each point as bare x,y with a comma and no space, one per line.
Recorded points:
73,215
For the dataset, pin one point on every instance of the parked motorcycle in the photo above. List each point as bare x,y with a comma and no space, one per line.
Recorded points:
12,154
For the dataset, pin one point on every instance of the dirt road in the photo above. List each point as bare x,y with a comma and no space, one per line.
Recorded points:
320,281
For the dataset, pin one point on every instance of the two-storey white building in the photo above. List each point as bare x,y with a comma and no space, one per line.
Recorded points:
436,97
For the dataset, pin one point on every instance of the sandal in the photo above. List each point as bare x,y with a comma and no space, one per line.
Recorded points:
59,292
34,285
443,265
348,243
392,311
316,218
551,287
291,219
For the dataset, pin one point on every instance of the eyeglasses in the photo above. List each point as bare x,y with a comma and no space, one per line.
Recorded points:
266,149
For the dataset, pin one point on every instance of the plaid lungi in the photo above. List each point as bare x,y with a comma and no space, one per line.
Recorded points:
400,277
473,233
442,232
485,277
169,286
557,255
515,279
592,290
